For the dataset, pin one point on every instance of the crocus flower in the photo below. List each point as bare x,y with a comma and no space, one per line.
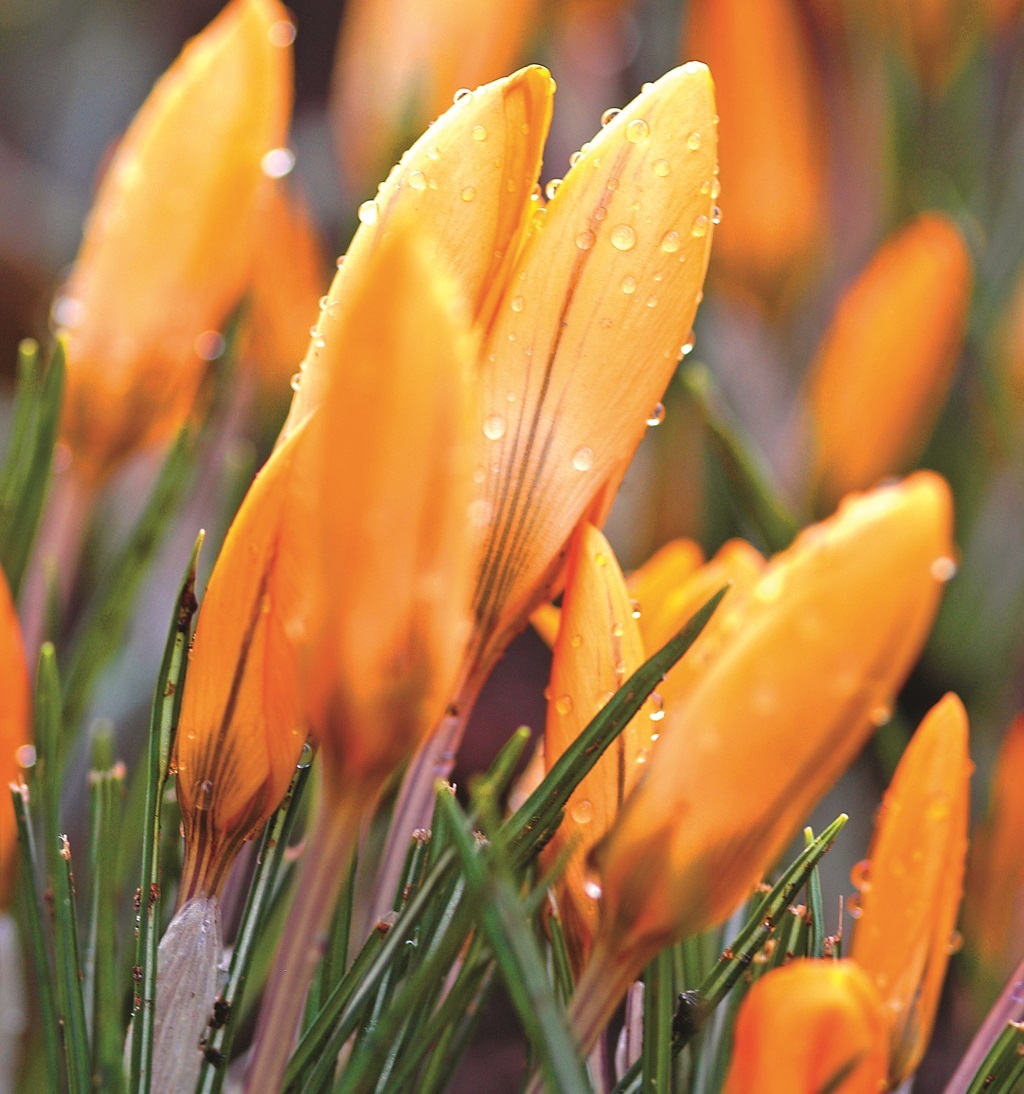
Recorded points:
773,142
168,248
805,1025
415,56
994,901
880,381
15,723
911,896
825,639
583,302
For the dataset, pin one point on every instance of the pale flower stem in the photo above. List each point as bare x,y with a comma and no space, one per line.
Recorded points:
1009,1007
321,873
57,553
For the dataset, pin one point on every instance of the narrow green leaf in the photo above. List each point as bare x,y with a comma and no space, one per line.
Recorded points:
1001,1070
756,499
69,972
659,1003
815,906
103,630
162,727
565,983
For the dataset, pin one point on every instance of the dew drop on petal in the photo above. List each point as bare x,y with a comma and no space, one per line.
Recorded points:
552,188
687,346
585,239
657,707
576,641
563,704
368,212
661,168
853,906
656,417
652,301
700,227
582,460
582,812
634,605
209,345
494,427
25,755
462,93
716,189
281,33
575,158
693,141
955,943
880,715
628,285
716,215
601,559
479,133
612,184
305,756
637,130
860,875
593,889
294,382
277,163
623,237
339,261
943,569
618,630
417,180
517,303
610,113
468,193
671,242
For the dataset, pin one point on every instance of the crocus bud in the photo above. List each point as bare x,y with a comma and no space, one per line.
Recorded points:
772,143
827,636
994,900
15,723
168,247
598,647
911,895
805,1026
881,378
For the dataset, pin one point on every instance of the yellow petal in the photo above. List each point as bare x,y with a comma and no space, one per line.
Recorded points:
589,333
242,725
910,900
880,381
826,638
467,180
392,472
15,728
598,648
805,1024
168,248
399,62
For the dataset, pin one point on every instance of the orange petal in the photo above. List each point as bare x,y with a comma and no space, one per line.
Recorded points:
467,180
589,333
803,1025
168,248
242,725
773,141
657,580
598,648
880,381
393,500
994,903
825,640
414,55
909,904
288,279
15,728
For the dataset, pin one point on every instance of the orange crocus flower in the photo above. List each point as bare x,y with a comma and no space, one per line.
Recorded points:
994,901
806,1024
773,143
910,900
414,55
583,302
817,651
15,723
287,280
168,248
880,380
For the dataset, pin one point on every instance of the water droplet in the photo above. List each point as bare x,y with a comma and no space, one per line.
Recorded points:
657,707
585,239
368,212
479,133
955,943
203,792
277,163
417,180
671,242
642,756
860,875
339,261
661,168
576,641
628,285
637,130
853,906
657,416
517,303
494,427
618,630
634,609
612,184
575,158
705,188
700,226
468,193
582,812
209,345
563,704
943,569
305,756
880,715
295,381
770,587
716,215
610,113
716,189
25,755
582,460
281,33
432,153
687,346
620,670
600,213
66,313
693,141
462,93
593,889
652,301
552,188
